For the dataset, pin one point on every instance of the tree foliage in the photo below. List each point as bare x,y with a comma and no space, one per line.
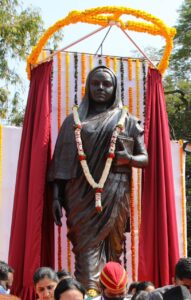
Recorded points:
19,31
178,95
181,56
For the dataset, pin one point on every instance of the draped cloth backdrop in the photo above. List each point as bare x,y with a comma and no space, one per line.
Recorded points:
158,244
32,241
32,232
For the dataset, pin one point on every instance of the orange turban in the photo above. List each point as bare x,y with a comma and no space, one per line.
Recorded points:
114,277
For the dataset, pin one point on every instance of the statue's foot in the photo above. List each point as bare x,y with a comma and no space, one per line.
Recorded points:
92,293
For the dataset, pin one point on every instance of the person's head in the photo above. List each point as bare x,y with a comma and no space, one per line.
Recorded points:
101,85
69,289
4,270
147,286
177,293
183,272
45,281
133,288
63,274
141,295
9,281
113,281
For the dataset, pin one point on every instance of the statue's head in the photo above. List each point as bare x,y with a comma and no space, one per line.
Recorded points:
101,85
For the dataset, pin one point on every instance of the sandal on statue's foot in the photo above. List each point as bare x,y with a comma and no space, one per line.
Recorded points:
92,293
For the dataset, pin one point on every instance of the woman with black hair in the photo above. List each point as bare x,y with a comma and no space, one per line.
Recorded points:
69,289
45,281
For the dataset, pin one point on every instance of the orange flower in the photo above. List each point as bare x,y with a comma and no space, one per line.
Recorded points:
109,15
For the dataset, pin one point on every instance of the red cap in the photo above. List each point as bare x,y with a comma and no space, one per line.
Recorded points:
114,277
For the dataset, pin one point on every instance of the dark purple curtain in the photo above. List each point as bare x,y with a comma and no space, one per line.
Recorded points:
32,239
158,247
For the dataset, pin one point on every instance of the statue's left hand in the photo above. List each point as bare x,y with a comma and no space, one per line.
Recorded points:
122,157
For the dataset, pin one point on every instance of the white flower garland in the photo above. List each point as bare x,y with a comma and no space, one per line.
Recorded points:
111,154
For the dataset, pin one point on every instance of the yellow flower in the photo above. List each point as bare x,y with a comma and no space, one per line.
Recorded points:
104,16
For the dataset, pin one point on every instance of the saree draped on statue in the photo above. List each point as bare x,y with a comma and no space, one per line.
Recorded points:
96,237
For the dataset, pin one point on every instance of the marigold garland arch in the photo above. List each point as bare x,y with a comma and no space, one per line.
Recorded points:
105,16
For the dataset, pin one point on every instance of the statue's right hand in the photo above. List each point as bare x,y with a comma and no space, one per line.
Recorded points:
57,212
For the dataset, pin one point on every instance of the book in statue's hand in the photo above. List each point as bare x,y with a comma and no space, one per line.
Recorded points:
124,143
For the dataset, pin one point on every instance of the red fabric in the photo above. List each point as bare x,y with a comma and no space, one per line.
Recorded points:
158,246
114,277
32,223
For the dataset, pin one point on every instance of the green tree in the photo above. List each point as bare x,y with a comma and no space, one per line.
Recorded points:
178,95
19,31
181,59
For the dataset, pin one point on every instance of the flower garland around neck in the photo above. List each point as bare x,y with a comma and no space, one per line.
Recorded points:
98,187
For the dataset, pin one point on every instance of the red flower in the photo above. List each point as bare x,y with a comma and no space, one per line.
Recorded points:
99,190
77,126
111,155
82,157
98,209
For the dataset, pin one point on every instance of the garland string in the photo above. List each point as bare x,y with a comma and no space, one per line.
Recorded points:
75,78
98,186
138,116
122,79
83,66
132,222
108,61
182,182
67,60
130,91
130,69
144,88
91,61
115,65
59,97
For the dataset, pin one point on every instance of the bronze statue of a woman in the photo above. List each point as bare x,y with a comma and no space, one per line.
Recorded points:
105,130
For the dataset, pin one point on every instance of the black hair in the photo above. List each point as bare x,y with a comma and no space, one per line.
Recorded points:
183,268
63,273
10,269
142,285
142,295
68,284
43,272
3,271
132,286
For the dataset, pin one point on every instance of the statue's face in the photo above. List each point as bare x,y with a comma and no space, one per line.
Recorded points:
101,87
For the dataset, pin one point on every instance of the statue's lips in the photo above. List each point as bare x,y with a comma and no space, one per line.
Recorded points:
100,94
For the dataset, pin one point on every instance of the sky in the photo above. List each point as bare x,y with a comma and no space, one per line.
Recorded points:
116,43
52,11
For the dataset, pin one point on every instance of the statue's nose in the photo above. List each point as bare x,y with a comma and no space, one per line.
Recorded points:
101,86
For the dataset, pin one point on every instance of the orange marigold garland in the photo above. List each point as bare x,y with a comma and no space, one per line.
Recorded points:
183,206
115,65
130,90
104,16
59,249
139,198
132,222
59,89
59,97
130,69
83,66
137,88
108,61
91,61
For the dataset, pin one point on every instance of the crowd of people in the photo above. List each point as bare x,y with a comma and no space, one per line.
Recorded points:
113,284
